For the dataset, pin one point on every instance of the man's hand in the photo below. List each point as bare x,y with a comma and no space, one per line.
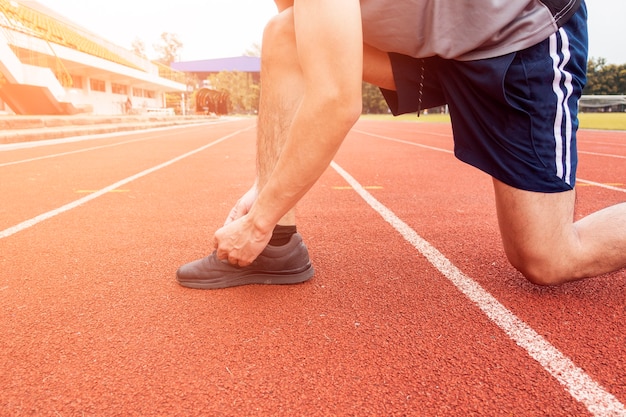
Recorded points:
240,241
242,207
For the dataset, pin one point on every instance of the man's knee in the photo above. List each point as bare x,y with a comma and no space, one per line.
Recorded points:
540,266
537,233
283,4
279,36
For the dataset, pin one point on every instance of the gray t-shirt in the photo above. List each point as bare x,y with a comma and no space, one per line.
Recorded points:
460,29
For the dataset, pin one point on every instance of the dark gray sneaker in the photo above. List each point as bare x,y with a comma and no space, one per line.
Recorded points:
287,264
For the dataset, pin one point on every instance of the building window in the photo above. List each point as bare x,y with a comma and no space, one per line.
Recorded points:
119,88
97,85
149,94
77,82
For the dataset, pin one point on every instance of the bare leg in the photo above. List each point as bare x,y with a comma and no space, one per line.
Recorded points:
538,230
377,68
281,93
543,242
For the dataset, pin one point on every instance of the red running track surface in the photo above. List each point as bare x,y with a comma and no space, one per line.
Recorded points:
417,313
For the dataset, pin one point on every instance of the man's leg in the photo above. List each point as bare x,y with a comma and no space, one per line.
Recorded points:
377,68
286,259
538,230
281,93
282,89
543,242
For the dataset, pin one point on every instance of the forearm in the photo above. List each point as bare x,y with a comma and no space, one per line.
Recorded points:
329,49
318,129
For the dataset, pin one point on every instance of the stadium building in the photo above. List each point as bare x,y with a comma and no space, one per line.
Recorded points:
603,104
50,66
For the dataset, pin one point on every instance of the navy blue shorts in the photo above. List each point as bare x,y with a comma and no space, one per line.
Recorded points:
514,116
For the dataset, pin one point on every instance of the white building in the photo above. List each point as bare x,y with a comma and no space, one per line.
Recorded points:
49,65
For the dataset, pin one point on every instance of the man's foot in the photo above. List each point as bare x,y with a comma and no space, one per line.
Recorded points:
286,264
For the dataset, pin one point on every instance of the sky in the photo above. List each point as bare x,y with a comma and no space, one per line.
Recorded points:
226,28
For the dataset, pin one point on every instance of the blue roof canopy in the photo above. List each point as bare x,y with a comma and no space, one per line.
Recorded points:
239,63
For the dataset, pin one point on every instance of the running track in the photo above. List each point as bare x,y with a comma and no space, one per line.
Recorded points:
413,310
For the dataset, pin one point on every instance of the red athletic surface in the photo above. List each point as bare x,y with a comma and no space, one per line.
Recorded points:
93,322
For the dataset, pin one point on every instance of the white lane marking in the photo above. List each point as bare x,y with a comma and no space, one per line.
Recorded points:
580,385
72,139
450,136
102,136
598,184
93,148
608,155
433,148
585,142
45,216
406,142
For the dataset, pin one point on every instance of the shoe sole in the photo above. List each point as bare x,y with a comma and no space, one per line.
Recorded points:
284,278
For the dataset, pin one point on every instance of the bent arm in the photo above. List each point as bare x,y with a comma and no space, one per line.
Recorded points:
330,52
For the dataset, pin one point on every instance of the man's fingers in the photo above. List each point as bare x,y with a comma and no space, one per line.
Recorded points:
231,256
242,207
233,259
236,212
236,243
241,263
222,255
233,214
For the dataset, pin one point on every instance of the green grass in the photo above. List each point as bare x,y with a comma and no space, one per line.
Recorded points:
608,121
604,121
412,117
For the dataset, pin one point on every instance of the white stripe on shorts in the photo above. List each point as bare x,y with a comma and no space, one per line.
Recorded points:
563,114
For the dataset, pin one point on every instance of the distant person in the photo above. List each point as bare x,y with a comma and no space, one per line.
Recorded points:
128,106
511,74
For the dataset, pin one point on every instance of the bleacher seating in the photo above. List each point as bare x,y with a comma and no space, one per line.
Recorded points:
24,19
40,46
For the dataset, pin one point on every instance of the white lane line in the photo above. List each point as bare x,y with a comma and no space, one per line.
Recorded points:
433,148
608,155
45,216
93,148
598,184
406,142
580,385
72,139
585,142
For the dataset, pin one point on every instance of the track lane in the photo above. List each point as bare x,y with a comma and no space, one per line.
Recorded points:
582,387
468,218
87,302
45,184
386,331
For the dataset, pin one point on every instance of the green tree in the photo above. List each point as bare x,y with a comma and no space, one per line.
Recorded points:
373,100
621,77
253,50
605,79
167,48
138,47
242,90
